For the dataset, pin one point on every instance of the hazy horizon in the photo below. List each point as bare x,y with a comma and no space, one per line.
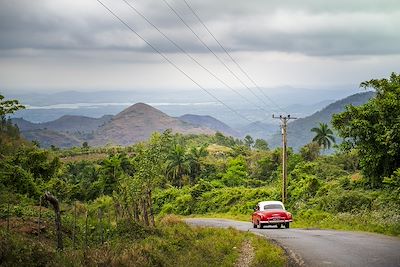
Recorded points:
43,107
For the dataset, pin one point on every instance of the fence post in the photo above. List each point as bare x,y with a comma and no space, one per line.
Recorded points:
40,216
116,214
86,229
100,214
56,205
109,223
145,214
8,215
74,229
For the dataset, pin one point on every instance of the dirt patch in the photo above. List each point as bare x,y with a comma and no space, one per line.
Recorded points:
26,225
246,254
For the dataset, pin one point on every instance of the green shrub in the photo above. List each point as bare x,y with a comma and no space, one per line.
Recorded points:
345,201
19,251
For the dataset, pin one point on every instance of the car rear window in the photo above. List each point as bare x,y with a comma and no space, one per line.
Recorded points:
273,207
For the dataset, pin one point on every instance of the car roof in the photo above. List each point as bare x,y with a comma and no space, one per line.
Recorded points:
269,202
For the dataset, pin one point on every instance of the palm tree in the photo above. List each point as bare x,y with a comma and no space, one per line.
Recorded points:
248,140
177,164
193,157
323,136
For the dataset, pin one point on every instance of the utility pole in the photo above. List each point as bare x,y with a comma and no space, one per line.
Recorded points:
284,121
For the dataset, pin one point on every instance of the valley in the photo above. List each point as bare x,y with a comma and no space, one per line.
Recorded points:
138,121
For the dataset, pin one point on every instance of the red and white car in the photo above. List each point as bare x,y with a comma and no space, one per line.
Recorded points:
271,213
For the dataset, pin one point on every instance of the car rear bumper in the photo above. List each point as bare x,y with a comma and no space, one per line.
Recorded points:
275,221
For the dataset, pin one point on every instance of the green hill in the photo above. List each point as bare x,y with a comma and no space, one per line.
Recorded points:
299,132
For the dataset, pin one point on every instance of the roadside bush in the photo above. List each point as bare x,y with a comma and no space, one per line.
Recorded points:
236,200
346,201
184,204
18,251
236,173
128,228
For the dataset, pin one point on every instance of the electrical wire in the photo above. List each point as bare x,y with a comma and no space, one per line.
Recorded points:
215,55
190,56
170,62
230,56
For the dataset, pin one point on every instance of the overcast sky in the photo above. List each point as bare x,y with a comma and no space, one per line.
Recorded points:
77,45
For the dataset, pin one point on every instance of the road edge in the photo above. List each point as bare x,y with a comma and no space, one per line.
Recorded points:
294,260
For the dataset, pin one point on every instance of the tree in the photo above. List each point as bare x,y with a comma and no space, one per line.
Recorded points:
148,167
9,133
261,144
222,140
323,136
177,164
248,140
236,174
193,157
9,106
310,152
36,143
374,129
85,145
111,170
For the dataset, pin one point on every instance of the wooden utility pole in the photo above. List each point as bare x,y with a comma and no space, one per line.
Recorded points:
284,121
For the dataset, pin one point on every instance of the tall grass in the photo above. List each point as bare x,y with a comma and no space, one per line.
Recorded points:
173,243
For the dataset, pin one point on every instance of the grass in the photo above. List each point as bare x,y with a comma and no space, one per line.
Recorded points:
172,243
267,254
371,221
229,216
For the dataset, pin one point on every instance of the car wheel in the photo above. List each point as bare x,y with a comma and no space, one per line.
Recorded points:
260,225
278,225
287,225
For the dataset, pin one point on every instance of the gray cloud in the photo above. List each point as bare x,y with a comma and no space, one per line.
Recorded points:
43,43
308,27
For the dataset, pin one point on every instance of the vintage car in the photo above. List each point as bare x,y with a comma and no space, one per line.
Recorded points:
271,213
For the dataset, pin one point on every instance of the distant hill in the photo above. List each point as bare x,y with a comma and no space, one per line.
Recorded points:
132,125
299,132
138,122
47,138
25,125
209,122
259,130
73,123
67,123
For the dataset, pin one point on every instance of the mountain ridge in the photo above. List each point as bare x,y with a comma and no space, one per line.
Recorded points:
209,122
137,122
134,124
299,130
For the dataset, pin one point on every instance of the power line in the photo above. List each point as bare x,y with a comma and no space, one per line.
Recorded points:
170,62
209,49
190,56
229,55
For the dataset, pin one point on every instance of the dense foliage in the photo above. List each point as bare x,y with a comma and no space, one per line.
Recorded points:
9,133
374,130
357,187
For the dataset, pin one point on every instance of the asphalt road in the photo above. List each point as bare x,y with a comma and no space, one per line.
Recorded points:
314,247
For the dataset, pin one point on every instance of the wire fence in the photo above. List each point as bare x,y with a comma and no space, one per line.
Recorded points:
82,226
